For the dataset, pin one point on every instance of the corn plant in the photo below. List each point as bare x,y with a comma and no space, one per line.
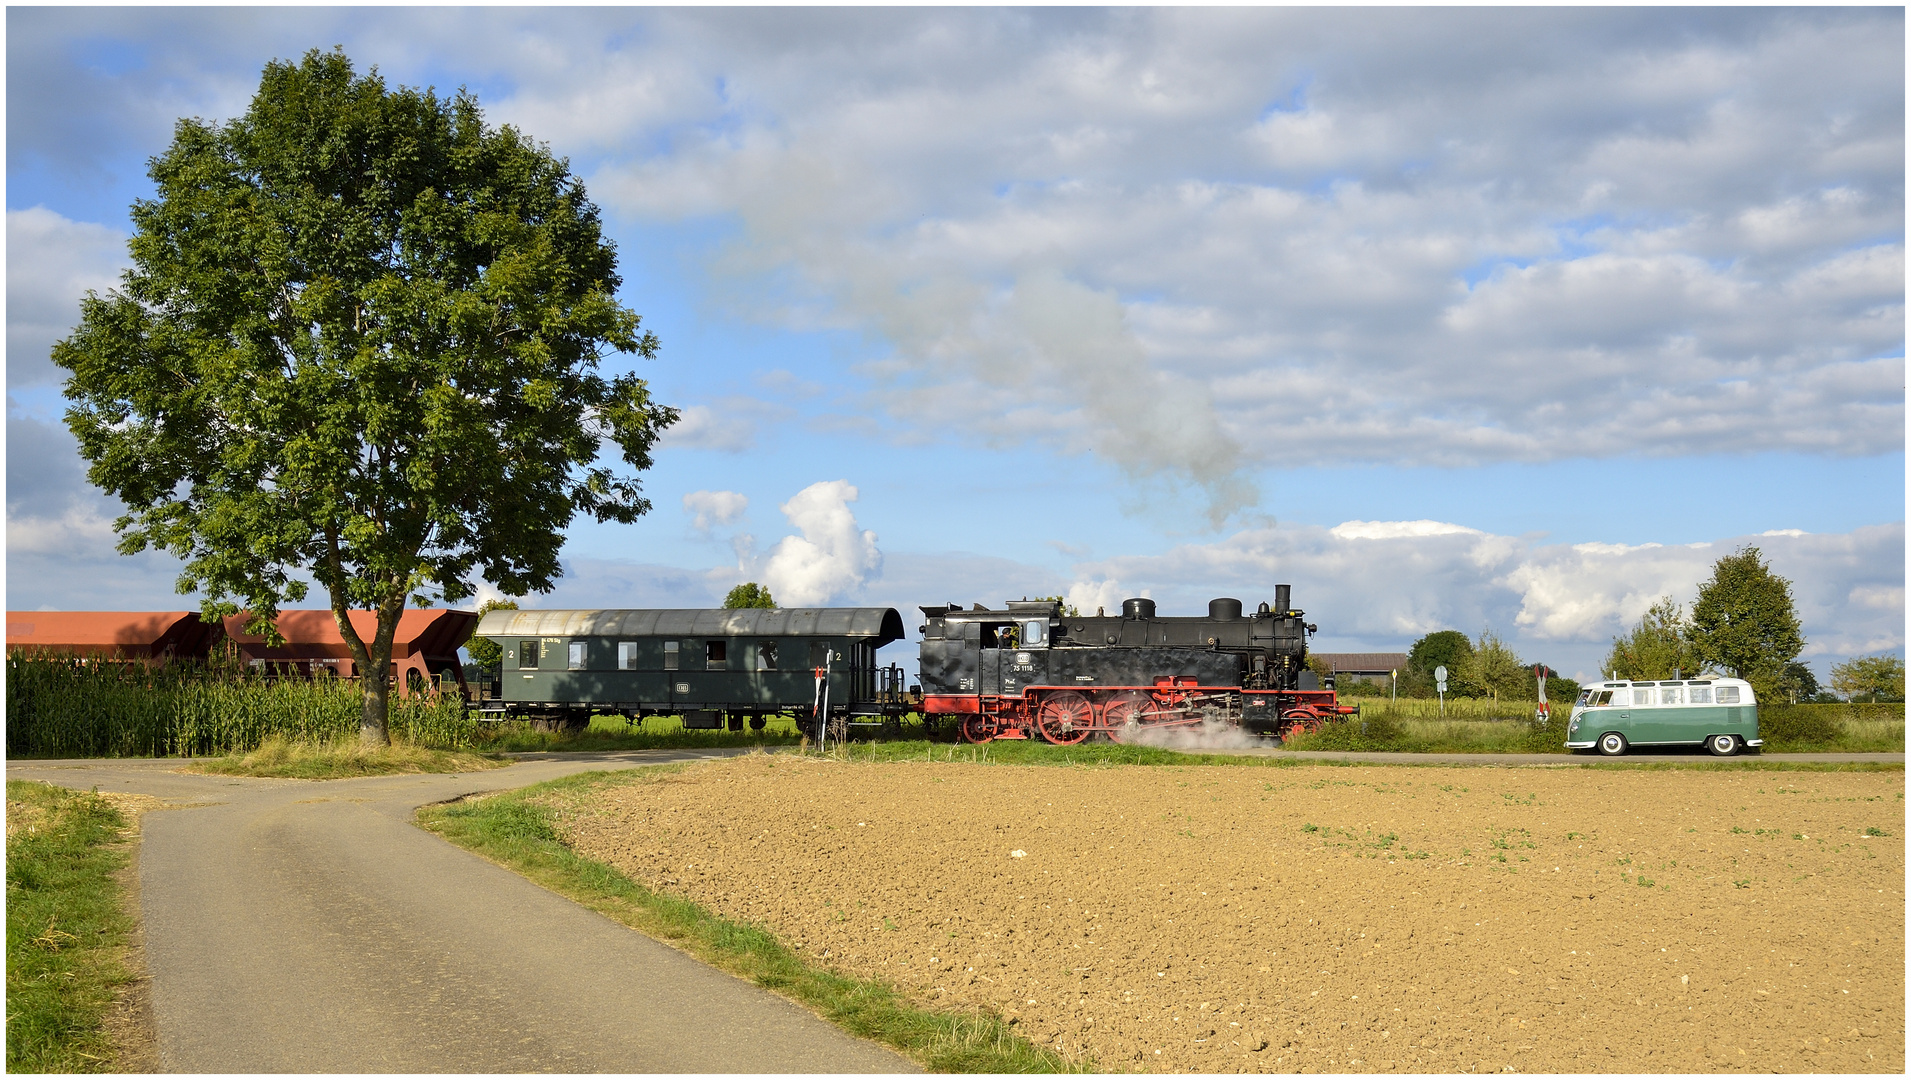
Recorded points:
64,706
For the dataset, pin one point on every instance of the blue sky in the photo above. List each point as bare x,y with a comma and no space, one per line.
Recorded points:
1483,318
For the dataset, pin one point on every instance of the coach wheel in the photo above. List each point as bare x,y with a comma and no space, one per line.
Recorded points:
1612,744
1065,718
1126,714
1722,745
757,723
977,728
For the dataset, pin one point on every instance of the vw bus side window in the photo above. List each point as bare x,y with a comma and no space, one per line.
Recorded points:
670,655
627,656
1601,697
1672,695
1728,695
1701,695
1641,695
527,655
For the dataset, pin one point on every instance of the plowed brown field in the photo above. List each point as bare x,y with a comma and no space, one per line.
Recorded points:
1218,919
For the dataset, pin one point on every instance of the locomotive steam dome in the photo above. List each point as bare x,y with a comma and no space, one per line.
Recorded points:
1138,608
1224,608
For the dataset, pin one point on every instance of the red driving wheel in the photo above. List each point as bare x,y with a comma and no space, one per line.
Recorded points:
1065,718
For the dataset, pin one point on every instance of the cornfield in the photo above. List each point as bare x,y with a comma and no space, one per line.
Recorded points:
66,707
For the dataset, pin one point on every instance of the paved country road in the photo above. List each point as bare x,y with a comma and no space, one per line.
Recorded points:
308,926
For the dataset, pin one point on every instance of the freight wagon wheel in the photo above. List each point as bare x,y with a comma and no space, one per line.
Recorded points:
977,728
1065,718
1126,714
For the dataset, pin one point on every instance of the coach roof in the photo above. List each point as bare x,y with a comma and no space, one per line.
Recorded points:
882,624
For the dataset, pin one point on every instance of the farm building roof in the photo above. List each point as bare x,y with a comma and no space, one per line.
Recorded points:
315,635
883,624
127,634
1362,663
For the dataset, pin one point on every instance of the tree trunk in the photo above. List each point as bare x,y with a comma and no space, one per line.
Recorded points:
372,729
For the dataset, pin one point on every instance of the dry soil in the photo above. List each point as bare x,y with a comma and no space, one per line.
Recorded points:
1217,919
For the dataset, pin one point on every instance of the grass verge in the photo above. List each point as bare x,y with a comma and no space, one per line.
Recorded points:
66,931
515,830
334,759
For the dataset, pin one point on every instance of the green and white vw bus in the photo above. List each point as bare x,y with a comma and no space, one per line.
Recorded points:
1719,714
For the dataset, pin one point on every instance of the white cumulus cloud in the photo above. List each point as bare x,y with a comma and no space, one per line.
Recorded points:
709,509
832,559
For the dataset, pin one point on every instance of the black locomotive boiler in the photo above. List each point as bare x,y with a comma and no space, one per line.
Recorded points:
1029,670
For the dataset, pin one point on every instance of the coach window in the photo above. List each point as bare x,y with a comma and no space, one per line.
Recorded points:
670,656
579,653
819,654
716,655
527,655
766,656
627,656
1642,695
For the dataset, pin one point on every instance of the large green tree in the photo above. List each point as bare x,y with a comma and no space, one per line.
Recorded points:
360,341
1659,647
1743,622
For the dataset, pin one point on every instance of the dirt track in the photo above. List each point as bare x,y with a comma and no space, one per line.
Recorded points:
1337,919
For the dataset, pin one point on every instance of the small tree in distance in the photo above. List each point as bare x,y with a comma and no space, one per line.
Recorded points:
1871,678
1744,624
1660,647
488,654
360,341
749,595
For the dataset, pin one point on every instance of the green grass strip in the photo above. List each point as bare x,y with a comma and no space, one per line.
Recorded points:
515,831
339,758
66,930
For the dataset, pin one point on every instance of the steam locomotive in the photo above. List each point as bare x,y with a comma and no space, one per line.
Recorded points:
1028,670
1031,670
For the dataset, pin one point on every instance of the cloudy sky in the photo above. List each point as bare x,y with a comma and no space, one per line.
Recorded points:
1453,319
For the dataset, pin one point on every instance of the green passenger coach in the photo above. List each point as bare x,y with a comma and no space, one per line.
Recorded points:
713,667
1719,714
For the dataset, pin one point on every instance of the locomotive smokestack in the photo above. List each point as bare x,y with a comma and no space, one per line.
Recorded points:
1138,608
1282,593
1223,609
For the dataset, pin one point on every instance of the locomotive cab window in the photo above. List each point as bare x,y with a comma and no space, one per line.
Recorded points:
766,656
1034,633
716,654
579,654
527,655
627,656
671,655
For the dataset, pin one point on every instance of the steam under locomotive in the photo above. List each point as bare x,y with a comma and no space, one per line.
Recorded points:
1030,670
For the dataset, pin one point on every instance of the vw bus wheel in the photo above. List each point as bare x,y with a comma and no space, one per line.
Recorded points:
1722,745
1612,744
